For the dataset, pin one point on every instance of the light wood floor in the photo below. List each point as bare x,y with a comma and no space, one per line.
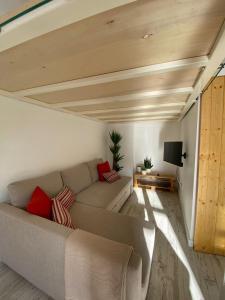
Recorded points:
178,273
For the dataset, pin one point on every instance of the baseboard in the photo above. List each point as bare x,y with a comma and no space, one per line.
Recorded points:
189,240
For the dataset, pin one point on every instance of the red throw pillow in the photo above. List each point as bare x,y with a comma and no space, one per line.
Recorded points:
40,204
111,176
103,168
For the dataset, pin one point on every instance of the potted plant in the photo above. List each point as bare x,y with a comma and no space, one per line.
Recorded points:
115,150
143,171
148,165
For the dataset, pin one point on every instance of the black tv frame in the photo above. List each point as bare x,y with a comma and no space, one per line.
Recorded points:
173,153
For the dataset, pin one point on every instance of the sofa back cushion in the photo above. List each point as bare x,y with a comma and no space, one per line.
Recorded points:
92,166
77,178
20,192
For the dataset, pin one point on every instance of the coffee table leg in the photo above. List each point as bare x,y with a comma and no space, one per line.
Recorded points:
135,182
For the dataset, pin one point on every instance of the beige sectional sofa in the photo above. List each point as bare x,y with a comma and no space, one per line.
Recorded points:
35,247
95,193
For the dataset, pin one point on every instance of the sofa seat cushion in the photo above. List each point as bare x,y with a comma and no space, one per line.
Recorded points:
120,228
102,194
77,178
20,192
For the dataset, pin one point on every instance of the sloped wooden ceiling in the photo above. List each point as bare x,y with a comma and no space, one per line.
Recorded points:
140,61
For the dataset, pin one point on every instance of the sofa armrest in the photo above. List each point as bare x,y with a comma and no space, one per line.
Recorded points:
97,268
34,247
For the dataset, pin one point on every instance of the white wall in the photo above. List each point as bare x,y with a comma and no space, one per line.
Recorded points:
35,140
188,174
143,139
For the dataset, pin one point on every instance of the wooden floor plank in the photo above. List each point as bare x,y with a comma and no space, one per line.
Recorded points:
170,279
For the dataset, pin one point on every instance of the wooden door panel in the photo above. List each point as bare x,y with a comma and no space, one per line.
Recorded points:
210,215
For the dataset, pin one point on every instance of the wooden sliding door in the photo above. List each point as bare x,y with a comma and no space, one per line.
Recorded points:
210,214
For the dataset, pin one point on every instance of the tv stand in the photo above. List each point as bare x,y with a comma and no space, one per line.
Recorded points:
154,181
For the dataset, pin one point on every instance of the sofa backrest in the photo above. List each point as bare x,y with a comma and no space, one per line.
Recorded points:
92,166
77,178
20,192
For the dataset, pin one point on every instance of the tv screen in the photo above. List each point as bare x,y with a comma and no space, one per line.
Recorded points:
173,153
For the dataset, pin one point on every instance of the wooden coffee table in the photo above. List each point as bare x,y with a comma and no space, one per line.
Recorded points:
154,181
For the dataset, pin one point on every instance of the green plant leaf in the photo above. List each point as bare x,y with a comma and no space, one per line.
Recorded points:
115,149
118,157
115,137
148,163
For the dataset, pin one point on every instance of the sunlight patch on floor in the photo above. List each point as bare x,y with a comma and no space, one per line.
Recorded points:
163,223
154,199
141,200
140,196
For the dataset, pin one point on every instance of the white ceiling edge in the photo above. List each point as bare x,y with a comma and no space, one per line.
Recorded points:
30,101
52,16
222,72
216,57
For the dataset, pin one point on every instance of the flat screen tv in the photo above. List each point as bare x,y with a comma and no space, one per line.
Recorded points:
173,153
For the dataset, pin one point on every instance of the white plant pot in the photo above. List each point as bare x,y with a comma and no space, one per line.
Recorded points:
139,169
148,171
143,172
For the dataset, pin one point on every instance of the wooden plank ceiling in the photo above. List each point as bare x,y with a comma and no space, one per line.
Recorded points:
139,61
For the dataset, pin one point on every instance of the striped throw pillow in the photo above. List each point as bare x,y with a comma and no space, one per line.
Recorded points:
66,197
111,176
61,205
60,214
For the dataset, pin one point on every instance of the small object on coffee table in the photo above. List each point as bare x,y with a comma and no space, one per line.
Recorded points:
153,182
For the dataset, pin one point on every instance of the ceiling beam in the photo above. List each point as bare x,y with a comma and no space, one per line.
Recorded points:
128,97
216,57
49,18
11,95
130,108
166,118
141,114
196,62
